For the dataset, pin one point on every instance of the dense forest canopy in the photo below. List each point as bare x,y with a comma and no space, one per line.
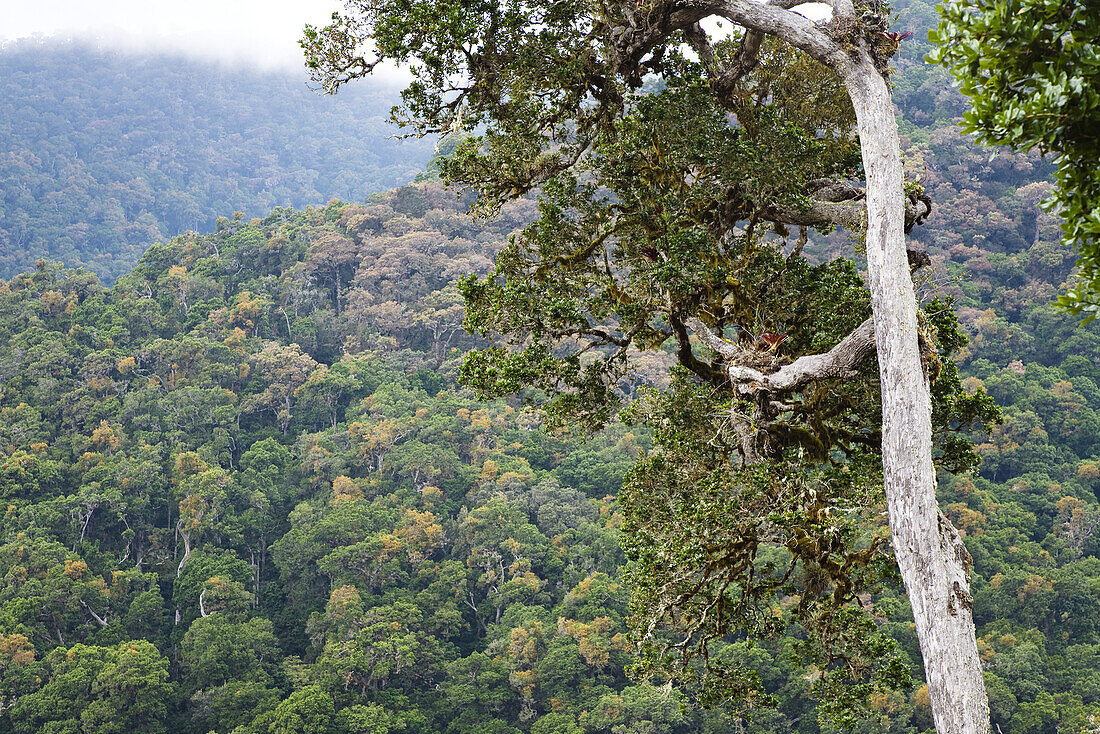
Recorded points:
241,497
661,144
241,491
105,152
1029,70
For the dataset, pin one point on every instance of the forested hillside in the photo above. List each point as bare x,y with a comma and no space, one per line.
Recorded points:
241,491
102,153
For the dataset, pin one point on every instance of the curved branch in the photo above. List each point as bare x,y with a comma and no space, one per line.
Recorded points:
840,361
793,28
834,190
832,201
685,356
917,208
840,203
727,349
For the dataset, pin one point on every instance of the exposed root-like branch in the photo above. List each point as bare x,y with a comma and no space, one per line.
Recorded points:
837,202
850,214
835,190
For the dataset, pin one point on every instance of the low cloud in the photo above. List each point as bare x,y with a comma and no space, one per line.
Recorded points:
260,33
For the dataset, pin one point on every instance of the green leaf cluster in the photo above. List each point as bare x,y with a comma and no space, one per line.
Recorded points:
1030,68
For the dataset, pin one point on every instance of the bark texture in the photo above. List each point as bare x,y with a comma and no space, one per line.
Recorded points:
840,361
933,562
930,554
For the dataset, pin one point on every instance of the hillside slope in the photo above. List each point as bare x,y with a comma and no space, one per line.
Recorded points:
102,153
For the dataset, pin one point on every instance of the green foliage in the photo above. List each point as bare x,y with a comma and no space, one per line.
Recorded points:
362,542
151,494
102,690
620,263
720,552
1029,68
309,709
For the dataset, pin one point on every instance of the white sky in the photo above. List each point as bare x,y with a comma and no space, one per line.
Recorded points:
264,32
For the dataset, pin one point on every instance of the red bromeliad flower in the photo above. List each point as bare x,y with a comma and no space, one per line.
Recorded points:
773,340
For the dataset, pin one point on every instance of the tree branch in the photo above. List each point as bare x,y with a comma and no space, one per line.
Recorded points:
102,621
917,208
840,361
708,337
852,215
841,7
683,351
833,201
793,28
724,78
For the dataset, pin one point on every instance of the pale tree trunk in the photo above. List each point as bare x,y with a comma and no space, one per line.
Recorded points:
934,564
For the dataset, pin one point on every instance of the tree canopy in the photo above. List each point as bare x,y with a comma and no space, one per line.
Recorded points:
662,151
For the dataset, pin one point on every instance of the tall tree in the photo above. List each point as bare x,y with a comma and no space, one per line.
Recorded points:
549,83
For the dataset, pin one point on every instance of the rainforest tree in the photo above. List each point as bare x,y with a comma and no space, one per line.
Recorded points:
659,168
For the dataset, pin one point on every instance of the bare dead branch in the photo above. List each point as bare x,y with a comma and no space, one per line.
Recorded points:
102,621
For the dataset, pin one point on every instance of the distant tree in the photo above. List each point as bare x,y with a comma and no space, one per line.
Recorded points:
50,594
308,710
505,555
478,683
226,669
331,261
281,370
98,690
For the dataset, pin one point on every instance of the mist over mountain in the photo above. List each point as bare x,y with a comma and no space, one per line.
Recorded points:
106,152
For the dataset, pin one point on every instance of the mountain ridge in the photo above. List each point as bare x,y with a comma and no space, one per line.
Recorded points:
105,152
